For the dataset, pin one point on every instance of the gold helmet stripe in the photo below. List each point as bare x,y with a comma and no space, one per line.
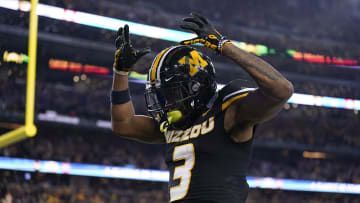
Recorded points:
155,64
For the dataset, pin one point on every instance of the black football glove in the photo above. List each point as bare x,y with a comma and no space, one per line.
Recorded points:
126,55
206,33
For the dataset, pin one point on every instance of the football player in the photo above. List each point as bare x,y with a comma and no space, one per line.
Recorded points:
208,132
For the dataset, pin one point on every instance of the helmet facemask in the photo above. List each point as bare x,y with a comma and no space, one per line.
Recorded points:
171,96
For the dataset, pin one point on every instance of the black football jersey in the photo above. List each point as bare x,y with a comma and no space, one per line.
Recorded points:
205,164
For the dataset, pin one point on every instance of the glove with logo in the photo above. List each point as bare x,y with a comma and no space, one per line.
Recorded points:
126,55
206,33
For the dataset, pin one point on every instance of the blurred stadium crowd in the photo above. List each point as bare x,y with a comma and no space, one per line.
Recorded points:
340,43
304,25
315,28
90,99
89,146
42,188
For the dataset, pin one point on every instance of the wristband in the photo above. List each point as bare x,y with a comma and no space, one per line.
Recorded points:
125,73
221,44
120,97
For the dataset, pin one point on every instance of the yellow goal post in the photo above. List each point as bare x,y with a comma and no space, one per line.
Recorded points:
29,129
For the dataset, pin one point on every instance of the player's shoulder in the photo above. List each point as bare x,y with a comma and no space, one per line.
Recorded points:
234,90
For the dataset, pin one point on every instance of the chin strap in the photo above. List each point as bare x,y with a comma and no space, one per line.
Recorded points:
172,117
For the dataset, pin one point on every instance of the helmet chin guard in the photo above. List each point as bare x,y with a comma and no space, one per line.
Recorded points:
181,79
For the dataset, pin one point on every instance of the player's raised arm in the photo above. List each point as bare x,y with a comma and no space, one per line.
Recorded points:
274,90
123,119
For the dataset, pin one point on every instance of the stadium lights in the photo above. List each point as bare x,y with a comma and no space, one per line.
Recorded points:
314,155
92,170
164,34
18,58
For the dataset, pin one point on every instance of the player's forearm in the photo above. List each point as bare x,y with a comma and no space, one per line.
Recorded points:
268,78
126,124
120,82
121,112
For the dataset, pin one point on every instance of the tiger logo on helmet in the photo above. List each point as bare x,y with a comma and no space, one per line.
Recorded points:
180,83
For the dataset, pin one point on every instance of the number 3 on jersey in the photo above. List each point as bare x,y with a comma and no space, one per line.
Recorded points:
187,153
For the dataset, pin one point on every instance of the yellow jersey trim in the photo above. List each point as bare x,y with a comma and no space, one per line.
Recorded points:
206,112
230,101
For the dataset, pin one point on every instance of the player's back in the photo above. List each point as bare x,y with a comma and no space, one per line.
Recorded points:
205,163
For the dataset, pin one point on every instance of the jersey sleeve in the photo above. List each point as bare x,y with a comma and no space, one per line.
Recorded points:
233,91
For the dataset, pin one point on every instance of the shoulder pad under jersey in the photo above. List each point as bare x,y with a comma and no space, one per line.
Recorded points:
233,91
